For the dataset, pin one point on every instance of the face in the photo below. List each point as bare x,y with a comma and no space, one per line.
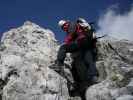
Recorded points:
65,27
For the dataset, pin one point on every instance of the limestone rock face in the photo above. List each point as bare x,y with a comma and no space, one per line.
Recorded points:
115,66
25,54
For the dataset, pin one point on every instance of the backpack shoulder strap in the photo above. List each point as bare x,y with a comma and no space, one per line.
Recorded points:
90,31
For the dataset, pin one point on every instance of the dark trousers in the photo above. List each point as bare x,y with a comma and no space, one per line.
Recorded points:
89,61
87,57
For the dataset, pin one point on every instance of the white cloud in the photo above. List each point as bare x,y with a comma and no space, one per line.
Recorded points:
117,25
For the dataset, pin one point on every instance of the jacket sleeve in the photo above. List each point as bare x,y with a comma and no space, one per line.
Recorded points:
69,39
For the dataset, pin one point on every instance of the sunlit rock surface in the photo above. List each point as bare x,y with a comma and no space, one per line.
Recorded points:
115,66
26,53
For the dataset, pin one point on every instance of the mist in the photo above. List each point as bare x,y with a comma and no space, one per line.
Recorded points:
119,26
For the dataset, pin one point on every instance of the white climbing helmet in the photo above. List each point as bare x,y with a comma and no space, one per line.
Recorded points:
61,22
83,23
81,20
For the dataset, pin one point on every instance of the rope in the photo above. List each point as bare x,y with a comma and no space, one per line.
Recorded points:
122,57
101,36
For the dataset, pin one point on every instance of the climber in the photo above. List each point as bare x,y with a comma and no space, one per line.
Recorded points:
80,37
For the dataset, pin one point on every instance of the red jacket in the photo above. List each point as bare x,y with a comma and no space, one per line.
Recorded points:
78,34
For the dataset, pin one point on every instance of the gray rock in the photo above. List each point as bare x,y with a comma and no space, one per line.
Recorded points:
130,86
125,97
115,69
99,92
29,51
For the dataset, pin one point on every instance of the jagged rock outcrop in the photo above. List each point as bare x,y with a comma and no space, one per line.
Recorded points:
115,66
27,52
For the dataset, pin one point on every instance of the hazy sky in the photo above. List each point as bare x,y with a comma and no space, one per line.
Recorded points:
47,13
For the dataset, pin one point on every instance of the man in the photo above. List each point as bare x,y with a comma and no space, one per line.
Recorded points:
80,36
